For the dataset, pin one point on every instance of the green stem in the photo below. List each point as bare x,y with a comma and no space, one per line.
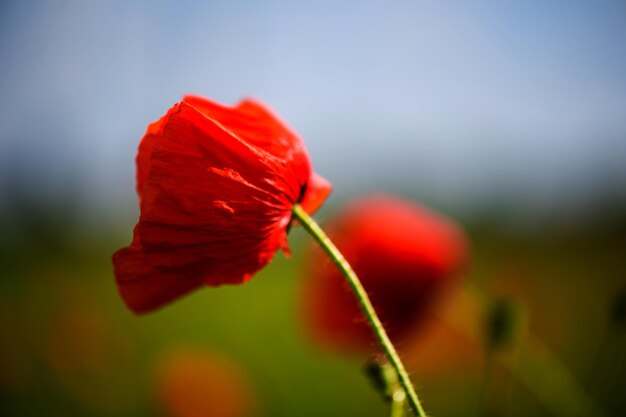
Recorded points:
366,305
398,399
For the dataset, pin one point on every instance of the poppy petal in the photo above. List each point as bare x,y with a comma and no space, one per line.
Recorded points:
316,193
145,149
216,187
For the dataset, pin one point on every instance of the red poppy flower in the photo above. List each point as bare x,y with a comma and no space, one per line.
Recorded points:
404,255
196,382
216,188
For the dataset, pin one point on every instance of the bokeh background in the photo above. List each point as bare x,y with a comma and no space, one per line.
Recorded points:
508,116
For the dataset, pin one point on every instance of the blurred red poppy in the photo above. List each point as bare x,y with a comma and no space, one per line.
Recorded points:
196,382
404,254
216,187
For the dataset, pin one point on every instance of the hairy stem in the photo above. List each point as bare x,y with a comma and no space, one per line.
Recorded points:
366,305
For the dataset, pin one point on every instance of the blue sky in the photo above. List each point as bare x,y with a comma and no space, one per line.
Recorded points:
462,102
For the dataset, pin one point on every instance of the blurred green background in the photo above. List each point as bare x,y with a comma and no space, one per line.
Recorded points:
507,116
71,348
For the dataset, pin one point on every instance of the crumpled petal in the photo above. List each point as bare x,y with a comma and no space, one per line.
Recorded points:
316,193
217,186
